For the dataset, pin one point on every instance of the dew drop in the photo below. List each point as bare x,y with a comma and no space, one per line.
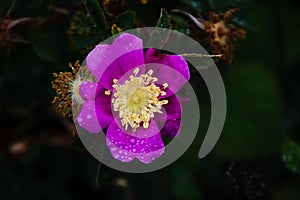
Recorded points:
132,140
117,156
79,119
113,149
89,116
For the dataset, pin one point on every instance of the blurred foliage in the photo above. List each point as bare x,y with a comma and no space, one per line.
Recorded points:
95,13
41,159
291,155
253,109
124,20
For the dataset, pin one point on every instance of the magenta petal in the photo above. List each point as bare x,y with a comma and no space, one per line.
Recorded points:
176,72
119,68
98,58
118,153
112,56
153,56
87,118
151,156
173,121
178,63
88,90
127,156
146,149
103,107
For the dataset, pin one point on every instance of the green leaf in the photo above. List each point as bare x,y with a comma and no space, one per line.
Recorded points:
87,41
291,155
179,22
43,45
164,20
195,4
124,20
95,12
82,32
158,37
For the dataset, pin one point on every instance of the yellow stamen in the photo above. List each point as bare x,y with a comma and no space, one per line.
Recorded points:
165,85
137,100
107,92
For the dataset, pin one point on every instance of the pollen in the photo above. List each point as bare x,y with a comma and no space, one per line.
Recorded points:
165,85
137,99
67,86
107,92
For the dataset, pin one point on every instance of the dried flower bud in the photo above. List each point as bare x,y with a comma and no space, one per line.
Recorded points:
222,35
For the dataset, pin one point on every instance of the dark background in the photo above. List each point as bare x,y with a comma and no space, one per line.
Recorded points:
257,156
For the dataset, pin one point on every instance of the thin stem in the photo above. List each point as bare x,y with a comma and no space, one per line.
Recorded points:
197,55
98,174
10,9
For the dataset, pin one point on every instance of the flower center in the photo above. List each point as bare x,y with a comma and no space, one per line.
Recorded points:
137,99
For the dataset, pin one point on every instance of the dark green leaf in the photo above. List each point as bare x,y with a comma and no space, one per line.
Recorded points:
95,12
124,20
164,20
158,37
82,32
180,23
86,41
291,155
43,46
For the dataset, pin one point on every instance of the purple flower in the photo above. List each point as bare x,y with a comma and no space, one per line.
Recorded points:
133,98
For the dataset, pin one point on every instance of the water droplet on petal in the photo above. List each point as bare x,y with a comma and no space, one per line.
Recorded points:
113,149
79,119
132,140
89,116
